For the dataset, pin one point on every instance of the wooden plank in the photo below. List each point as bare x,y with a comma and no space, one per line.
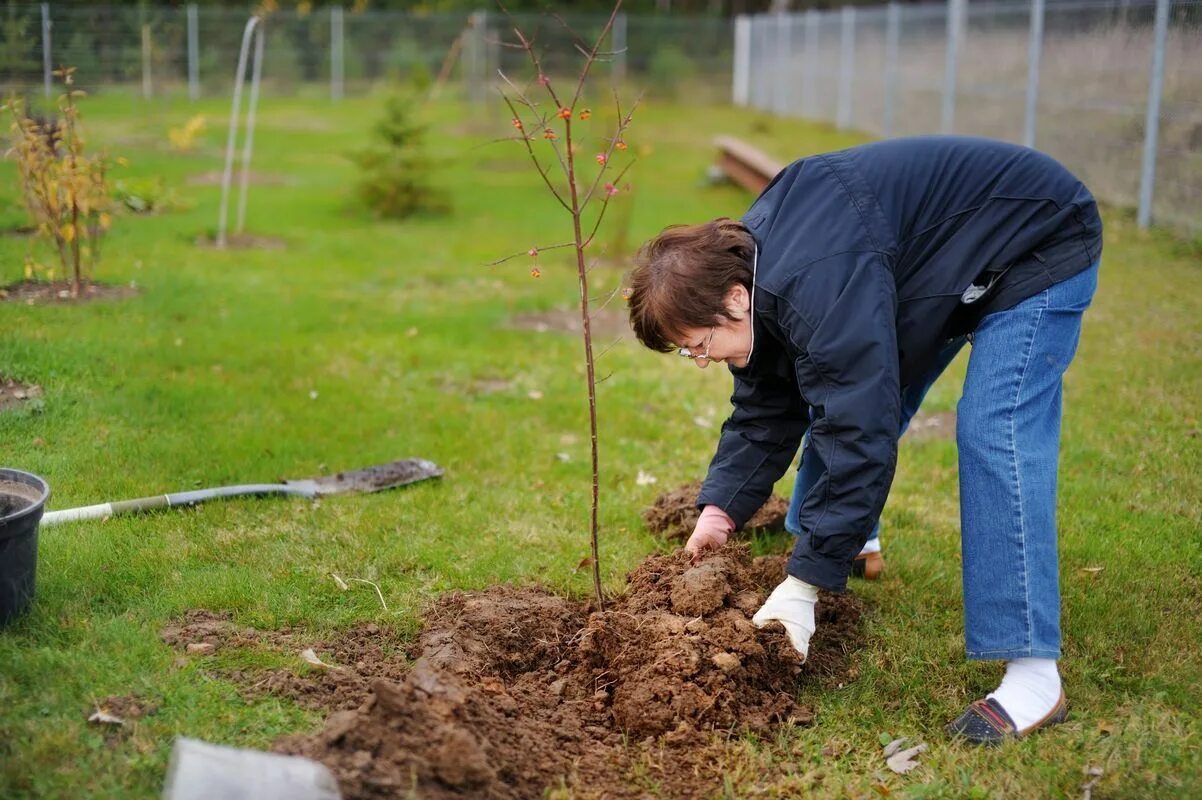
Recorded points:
747,166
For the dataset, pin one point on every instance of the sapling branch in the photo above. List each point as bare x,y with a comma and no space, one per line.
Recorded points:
537,249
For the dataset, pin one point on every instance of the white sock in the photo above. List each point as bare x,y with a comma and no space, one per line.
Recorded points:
1029,690
872,546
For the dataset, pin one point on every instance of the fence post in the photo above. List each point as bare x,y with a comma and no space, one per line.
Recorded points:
780,67
847,68
755,63
490,53
336,61
147,82
809,78
475,60
193,54
955,31
46,48
619,48
892,38
1147,179
741,90
1034,55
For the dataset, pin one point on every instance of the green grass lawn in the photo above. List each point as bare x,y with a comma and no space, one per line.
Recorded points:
365,341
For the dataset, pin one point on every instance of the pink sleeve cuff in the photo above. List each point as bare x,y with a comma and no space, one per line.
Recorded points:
713,514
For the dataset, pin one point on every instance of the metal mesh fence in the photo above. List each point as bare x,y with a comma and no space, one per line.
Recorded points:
1071,77
159,48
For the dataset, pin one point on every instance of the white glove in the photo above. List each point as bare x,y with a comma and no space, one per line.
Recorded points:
713,528
792,605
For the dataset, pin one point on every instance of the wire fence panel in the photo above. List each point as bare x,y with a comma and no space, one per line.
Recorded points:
1074,78
149,47
991,85
870,84
1178,181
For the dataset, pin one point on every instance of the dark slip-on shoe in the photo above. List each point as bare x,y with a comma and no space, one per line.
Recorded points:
986,722
868,566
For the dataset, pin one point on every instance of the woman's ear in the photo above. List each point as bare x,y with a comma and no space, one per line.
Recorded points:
738,301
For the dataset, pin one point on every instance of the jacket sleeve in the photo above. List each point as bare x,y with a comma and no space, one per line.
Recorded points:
759,439
842,319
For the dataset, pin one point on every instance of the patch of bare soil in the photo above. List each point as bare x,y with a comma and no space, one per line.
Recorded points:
674,514
44,292
242,241
126,707
606,323
352,660
936,425
213,178
19,231
14,393
514,690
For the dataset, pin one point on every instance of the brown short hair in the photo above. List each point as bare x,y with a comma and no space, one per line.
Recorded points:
681,277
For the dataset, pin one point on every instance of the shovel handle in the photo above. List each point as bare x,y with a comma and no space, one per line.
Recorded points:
118,507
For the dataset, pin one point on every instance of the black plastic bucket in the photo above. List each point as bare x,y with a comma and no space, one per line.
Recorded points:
22,500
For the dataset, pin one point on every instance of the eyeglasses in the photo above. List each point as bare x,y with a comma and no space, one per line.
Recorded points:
685,352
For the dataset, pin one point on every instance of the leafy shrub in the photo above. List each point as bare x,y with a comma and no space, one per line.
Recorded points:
147,196
65,190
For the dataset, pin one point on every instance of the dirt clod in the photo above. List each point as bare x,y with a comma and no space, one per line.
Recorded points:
674,514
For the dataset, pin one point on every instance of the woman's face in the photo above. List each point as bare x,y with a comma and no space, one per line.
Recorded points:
728,342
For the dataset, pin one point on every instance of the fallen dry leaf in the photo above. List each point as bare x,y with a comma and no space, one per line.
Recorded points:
903,761
703,422
585,562
340,582
1092,570
1105,727
645,479
309,655
105,718
894,746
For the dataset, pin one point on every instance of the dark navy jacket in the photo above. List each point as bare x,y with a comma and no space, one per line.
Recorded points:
864,258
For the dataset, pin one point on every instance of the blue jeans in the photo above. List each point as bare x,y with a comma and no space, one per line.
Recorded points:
1008,438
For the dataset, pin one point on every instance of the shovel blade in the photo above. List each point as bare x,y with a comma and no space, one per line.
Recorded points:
373,479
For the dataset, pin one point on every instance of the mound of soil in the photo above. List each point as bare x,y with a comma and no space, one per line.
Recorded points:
674,514
515,690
